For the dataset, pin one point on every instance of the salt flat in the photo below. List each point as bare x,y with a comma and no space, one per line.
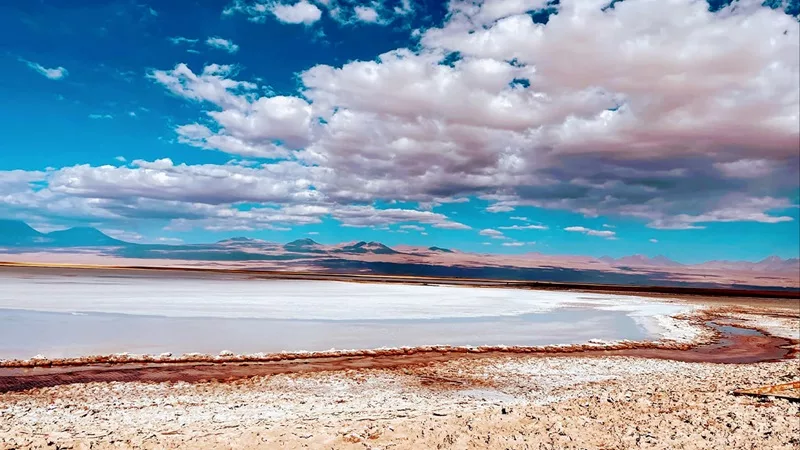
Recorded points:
60,316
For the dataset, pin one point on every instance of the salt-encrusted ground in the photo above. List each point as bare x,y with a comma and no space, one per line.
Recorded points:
506,402
57,316
495,401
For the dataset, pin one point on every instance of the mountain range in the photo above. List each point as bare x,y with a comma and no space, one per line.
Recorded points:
18,238
19,234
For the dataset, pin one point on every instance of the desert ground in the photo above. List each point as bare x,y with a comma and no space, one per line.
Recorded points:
602,396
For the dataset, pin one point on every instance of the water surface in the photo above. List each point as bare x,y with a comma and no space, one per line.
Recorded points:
59,316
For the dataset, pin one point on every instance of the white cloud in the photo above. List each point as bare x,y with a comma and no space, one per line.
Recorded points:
123,235
121,159
168,240
590,232
746,168
366,14
494,234
164,180
300,12
520,218
177,40
57,73
306,12
523,227
200,196
673,118
212,85
247,125
517,244
15,181
412,227
654,241
368,216
101,116
222,44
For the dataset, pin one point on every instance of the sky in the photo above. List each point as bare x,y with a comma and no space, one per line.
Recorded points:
655,127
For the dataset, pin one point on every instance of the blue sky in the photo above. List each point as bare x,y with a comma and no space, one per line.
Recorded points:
408,122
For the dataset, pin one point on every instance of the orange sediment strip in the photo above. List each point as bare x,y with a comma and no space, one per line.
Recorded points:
23,375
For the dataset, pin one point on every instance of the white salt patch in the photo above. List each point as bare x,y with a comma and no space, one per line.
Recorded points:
307,300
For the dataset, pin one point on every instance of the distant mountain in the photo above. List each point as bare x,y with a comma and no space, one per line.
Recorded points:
305,254
772,264
641,261
14,233
304,246
440,249
82,237
367,247
17,233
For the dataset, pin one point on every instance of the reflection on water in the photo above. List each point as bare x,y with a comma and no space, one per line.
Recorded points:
27,333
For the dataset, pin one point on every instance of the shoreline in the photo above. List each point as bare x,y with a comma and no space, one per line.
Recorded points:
722,344
754,292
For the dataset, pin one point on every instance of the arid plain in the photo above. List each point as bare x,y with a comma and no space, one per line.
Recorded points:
671,389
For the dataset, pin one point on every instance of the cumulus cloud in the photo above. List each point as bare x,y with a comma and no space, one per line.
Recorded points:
211,197
366,14
56,73
345,12
101,116
164,180
488,106
299,12
12,181
654,241
664,112
246,124
590,232
222,44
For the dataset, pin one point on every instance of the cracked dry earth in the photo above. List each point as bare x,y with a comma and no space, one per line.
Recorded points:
512,402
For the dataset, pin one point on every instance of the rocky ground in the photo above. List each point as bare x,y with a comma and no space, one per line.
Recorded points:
505,402
513,401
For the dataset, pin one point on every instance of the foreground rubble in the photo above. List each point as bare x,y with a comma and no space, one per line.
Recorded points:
504,402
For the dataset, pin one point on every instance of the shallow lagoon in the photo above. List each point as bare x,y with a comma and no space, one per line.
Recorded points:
59,316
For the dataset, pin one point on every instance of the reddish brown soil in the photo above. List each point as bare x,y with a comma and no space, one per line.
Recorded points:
732,346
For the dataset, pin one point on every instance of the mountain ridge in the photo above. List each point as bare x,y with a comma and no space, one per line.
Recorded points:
18,234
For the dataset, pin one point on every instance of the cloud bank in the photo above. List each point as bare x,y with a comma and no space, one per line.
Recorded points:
661,111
